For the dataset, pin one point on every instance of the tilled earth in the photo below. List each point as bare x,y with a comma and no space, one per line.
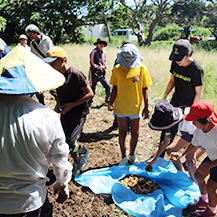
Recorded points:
104,151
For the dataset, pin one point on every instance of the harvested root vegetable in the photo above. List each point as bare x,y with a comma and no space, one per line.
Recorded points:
139,185
148,167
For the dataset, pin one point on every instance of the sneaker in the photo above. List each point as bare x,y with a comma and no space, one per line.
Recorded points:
123,162
201,204
82,160
205,213
133,159
76,171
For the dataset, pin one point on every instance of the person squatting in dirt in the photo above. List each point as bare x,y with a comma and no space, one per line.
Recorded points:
187,79
97,68
205,119
31,135
130,80
72,103
165,117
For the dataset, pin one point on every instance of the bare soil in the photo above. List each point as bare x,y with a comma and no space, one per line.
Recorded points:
104,151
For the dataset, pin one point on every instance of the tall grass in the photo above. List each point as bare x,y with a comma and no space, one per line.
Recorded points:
156,58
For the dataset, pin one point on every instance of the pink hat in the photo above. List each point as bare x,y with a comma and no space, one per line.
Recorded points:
202,109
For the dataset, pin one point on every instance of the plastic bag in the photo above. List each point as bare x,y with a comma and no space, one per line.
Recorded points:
177,189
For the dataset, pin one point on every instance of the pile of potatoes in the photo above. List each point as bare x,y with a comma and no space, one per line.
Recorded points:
139,185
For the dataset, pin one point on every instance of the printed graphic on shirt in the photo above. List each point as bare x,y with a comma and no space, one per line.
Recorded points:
182,77
136,78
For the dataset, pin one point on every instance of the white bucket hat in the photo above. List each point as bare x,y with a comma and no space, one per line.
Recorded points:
129,56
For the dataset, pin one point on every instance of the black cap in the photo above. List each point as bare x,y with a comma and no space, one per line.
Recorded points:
180,49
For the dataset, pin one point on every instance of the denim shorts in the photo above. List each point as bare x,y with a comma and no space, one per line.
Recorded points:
131,117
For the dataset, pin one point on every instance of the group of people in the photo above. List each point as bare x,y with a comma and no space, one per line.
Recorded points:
37,135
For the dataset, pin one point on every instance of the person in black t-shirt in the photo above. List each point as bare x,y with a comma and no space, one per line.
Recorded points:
72,103
186,77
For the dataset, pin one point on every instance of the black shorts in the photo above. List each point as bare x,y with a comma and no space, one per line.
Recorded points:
187,137
73,129
213,171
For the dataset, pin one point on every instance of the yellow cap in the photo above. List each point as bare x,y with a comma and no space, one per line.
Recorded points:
54,53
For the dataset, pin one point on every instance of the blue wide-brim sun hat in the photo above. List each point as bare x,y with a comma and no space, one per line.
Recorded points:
129,56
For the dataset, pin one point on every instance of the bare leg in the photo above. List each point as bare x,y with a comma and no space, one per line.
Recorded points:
211,189
134,135
191,165
201,182
122,124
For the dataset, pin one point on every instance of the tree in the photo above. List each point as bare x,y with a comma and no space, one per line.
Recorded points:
188,13
210,20
143,13
61,19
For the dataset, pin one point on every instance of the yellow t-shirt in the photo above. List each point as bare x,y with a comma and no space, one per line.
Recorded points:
130,83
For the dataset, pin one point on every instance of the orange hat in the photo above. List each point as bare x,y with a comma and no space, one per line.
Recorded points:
54,53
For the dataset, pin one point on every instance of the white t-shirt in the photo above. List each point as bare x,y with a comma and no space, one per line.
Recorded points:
30,135
206,140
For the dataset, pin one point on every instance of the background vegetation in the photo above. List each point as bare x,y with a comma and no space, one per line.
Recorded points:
63,20
156,58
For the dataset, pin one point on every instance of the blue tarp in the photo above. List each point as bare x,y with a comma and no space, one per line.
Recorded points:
177,189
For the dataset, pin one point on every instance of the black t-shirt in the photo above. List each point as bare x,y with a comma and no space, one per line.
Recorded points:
71,91
186,79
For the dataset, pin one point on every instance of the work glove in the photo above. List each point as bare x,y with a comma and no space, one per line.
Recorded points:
62,190
164,96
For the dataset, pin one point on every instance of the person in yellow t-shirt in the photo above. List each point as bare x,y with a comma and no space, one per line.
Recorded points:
130,80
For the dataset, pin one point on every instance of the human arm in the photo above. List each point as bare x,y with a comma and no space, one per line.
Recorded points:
198,93
169,87
88,95
145,112
112,98
94,65
161,148
58,156
190,148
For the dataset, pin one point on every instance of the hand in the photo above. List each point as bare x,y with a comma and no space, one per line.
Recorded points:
110,107
62,190
66,107
175,155
145,113
191,159
151,161
57,108
103,67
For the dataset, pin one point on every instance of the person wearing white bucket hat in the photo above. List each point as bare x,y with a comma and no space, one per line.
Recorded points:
23,41
31,135
130,80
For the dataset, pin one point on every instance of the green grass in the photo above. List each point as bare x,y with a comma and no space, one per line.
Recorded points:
156,58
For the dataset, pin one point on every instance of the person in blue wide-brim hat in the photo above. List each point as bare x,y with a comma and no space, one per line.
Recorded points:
31,135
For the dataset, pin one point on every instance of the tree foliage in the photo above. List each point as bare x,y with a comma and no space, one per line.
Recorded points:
187,13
